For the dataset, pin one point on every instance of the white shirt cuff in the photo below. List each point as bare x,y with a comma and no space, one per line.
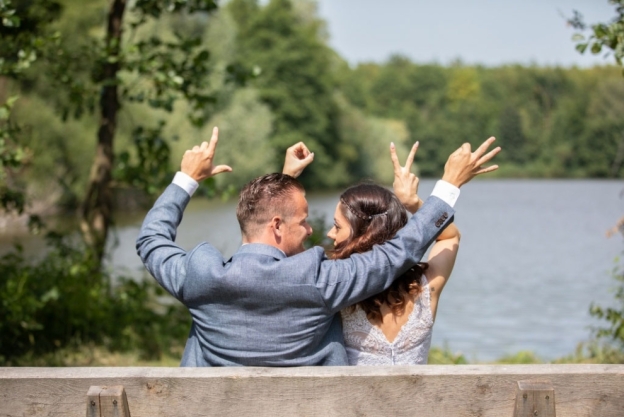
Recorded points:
446,192
185,182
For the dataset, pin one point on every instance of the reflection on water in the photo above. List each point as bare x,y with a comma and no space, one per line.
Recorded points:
533,257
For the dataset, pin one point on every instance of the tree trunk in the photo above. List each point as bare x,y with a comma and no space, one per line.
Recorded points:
97,208
4,83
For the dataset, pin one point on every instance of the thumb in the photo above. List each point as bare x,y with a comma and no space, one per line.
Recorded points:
308,159
221,168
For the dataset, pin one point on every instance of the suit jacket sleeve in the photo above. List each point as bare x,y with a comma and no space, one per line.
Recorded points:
156,246
348,281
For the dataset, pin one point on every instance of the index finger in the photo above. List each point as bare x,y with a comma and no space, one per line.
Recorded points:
395,159
213,141
410,157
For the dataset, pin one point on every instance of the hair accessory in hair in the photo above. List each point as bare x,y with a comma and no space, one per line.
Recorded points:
362,215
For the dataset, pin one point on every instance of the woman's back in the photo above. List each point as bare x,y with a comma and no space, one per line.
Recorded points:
369,344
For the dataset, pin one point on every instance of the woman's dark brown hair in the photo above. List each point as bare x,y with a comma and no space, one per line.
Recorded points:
375,215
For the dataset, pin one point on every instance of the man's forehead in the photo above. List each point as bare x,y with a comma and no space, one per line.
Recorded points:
299,197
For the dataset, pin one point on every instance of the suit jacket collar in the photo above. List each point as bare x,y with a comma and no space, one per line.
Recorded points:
261,249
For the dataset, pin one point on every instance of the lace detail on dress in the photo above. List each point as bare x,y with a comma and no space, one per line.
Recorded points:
367,345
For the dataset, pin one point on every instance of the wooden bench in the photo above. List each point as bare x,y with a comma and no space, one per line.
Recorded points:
433,390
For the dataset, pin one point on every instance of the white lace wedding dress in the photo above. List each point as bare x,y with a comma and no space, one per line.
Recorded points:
367,345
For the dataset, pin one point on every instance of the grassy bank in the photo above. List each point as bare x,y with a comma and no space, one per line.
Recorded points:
94,355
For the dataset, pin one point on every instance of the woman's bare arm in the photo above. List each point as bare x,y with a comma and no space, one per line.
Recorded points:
441,262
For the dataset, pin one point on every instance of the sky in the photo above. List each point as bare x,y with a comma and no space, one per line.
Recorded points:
488,32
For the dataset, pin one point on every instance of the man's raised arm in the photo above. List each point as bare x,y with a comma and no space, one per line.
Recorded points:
156,242
297,158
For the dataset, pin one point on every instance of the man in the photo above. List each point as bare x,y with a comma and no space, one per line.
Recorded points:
274,303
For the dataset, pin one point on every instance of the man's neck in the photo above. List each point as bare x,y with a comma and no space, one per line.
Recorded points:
247,241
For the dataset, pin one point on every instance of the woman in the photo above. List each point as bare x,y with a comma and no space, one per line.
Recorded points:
394,327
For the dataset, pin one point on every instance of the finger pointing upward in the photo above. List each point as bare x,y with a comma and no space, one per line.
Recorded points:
395,159
213,141
398,169
410,157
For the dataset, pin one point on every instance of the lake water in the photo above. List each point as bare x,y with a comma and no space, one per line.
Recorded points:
534,255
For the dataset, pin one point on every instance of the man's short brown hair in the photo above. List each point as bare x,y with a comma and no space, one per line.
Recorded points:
263,198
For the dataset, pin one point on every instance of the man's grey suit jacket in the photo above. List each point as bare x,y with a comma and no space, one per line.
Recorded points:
261,308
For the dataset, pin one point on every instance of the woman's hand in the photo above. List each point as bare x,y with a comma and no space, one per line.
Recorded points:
405,183
297,158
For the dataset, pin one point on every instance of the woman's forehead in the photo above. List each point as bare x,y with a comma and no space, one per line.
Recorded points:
338,216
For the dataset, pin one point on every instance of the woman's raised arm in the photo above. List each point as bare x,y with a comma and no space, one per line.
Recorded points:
441,262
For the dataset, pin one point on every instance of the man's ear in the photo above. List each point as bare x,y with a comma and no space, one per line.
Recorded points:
277,225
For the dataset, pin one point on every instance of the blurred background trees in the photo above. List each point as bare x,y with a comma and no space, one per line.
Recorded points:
265,74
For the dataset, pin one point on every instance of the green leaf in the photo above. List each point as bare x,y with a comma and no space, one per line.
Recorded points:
581,47
11,21
596,48
600,31
51,295
11,101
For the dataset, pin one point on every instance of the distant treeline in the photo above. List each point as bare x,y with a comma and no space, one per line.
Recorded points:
551,122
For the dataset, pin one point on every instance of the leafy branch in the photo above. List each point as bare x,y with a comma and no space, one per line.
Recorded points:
602,36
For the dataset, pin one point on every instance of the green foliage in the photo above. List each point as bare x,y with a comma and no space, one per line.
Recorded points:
12,157
63,300
174,70
444,356
523,357
594,351
602,36
245,126
319,232
609,36
366,140
25,32
155,8
57,52
614,315
295,81
150,172
513,139
550,122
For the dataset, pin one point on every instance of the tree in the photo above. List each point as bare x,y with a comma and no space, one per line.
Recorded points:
608,36
23,28
99,74
510,130
614,314
603,36
296,82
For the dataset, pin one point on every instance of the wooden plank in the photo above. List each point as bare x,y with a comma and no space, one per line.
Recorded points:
463,391
535,398
93,401
113,402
